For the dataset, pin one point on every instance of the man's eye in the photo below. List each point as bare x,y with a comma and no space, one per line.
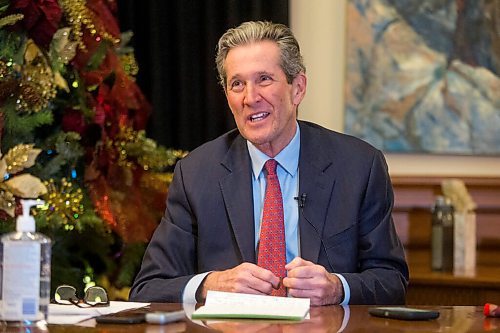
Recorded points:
236,86
265,79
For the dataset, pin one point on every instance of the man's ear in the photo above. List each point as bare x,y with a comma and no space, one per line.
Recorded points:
299,85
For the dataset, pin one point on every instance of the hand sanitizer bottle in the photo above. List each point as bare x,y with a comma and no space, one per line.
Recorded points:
25,272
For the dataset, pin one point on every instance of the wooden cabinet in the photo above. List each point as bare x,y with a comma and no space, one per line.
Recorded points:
428,287
414,197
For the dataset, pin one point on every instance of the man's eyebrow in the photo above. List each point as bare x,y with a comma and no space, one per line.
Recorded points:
265,73
234,77
238,76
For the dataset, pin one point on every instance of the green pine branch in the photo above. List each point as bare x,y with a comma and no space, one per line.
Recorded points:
65,153
21,128
12,46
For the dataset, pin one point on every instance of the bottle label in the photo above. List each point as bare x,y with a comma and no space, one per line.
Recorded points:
21,280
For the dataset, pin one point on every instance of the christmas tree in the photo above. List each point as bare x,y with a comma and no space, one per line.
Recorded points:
72,133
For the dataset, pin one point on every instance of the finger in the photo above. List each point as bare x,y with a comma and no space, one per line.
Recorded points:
266,276
301,293
305,293
297,262
245,282
257,290
259,279
306,272
265,287
293,283
306,277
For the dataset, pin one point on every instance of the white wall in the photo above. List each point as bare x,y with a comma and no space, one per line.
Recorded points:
319,26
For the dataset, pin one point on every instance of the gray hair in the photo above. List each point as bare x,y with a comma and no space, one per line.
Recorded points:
250,32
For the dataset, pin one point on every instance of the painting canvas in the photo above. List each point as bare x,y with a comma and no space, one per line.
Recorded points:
423,75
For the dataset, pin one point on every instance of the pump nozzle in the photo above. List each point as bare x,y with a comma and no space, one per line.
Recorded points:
26,222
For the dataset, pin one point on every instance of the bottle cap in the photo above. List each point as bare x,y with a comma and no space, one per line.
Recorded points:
440,200
26,222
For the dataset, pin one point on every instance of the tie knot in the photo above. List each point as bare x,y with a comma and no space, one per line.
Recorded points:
270,167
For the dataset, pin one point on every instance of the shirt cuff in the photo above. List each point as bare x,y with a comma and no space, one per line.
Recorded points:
347,290
189,293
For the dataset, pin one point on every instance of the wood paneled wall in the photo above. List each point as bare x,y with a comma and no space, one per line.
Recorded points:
414,197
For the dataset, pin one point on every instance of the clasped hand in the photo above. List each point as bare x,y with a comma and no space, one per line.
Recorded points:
304,279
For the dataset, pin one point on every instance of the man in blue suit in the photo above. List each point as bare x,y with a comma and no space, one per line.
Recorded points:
341,244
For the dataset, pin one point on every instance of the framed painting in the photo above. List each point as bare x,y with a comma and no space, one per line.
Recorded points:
423,75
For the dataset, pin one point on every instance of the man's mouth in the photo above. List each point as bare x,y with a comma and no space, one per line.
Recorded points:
258,116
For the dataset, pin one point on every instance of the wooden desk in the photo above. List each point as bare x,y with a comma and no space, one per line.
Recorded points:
431,288
323,319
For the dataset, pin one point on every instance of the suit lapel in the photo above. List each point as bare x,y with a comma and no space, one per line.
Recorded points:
314,180
236,188
317,184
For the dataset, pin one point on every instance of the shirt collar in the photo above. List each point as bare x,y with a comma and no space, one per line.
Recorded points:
288,158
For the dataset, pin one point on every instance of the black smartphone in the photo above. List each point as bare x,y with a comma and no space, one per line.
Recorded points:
121,318
403,313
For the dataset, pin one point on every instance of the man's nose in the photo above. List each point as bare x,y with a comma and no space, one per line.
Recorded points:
252,94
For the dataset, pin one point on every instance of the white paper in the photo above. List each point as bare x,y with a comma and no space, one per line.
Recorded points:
235,305
71,314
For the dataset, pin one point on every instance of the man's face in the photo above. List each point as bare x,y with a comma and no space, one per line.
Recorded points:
263,103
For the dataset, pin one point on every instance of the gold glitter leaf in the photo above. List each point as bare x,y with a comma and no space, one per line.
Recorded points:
7,202
3,169
26,186
63,48
10,19
60,81
32,51
21,157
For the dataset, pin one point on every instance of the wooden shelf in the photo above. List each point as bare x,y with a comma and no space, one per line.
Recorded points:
446,288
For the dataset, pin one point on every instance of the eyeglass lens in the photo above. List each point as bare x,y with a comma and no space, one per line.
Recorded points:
96,295
65,294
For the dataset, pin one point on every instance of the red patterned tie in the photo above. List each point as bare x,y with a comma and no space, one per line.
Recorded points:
272,248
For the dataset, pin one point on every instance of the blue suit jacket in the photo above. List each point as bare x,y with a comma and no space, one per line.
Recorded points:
209,225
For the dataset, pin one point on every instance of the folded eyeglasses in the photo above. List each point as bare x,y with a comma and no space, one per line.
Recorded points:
94,296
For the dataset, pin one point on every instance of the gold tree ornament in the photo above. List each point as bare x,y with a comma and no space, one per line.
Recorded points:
129,64
79,16
19,158
134,148
25,185
36,87
64,200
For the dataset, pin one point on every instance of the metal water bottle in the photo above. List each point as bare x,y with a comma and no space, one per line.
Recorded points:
442,235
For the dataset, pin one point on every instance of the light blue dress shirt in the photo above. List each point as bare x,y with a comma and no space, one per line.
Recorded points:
288,175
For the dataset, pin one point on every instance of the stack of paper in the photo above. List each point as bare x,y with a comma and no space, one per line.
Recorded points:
71,314
234,305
